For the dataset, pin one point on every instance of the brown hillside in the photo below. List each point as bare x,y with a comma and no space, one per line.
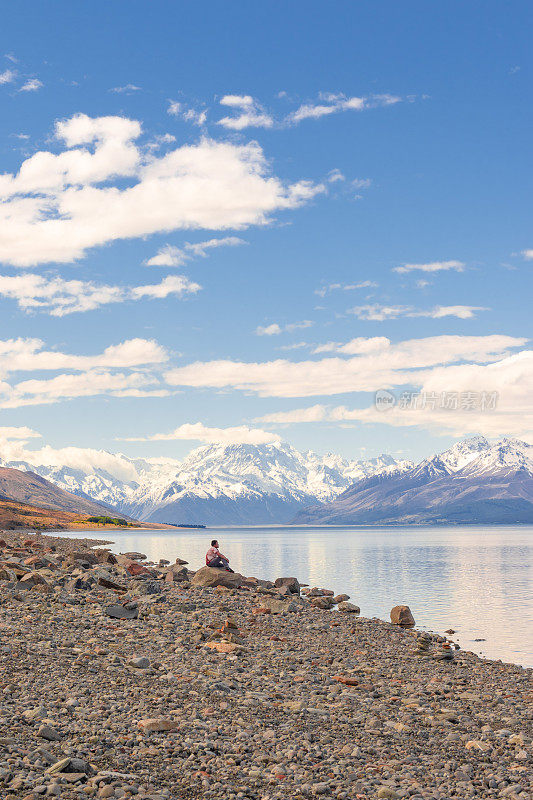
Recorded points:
27,487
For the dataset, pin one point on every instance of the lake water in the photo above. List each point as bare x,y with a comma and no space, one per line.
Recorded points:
478,581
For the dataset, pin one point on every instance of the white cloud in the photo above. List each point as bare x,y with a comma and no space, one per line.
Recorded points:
88,376
379,313
508,380
274,329
527,254
345,287
462,312
170,256
195,116
28,355
31,85
268,330
358,346
199,432
250,113
174,108
85,459
237,101
54,211
361,183
385,366
129,88
59,297
433,266
172,284
335,103
18,433
335,175
7,76
294,346
316,413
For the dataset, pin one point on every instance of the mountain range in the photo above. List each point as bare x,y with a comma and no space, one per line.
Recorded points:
236,484
243,484
472,482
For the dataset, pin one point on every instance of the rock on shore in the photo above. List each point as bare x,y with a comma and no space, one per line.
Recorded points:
211,693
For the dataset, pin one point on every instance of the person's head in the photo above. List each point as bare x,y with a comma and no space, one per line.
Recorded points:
214,543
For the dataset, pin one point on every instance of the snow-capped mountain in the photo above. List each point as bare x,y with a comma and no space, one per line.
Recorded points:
217,484
474,481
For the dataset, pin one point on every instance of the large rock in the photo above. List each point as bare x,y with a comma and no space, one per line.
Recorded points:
177,573
348,608
212,577
290,585
127,611
401,615
322,602
281,606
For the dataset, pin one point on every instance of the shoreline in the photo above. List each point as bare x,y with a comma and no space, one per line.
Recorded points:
243,703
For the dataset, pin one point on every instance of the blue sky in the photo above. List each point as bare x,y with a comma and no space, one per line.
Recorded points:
361,174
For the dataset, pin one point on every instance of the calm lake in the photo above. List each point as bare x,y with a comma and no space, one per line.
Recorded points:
478,581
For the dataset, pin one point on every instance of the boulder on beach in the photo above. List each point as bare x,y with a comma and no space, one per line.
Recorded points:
348,608
287,585
401,615
281,605
211,577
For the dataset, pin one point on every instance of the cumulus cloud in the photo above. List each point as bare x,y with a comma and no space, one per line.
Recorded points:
379,313
56,208
59,297
200,432
88,460
458,399
450,400
275,329
528,254
127,369
432,266
28,355
170,256
387,365
249,113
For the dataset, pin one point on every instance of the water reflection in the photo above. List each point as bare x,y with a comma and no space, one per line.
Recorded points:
478,582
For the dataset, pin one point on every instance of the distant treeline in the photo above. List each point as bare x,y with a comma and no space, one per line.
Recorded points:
184,525
110,521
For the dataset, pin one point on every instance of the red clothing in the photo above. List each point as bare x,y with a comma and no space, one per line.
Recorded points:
211,554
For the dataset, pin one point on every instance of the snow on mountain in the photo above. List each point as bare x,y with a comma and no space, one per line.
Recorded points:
224,484
273,483
472,482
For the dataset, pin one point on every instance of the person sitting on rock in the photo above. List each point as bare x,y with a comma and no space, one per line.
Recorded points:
214,558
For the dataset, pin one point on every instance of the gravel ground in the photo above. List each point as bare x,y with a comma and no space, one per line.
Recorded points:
208,693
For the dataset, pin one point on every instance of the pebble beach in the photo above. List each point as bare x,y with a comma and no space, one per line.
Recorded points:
125,679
